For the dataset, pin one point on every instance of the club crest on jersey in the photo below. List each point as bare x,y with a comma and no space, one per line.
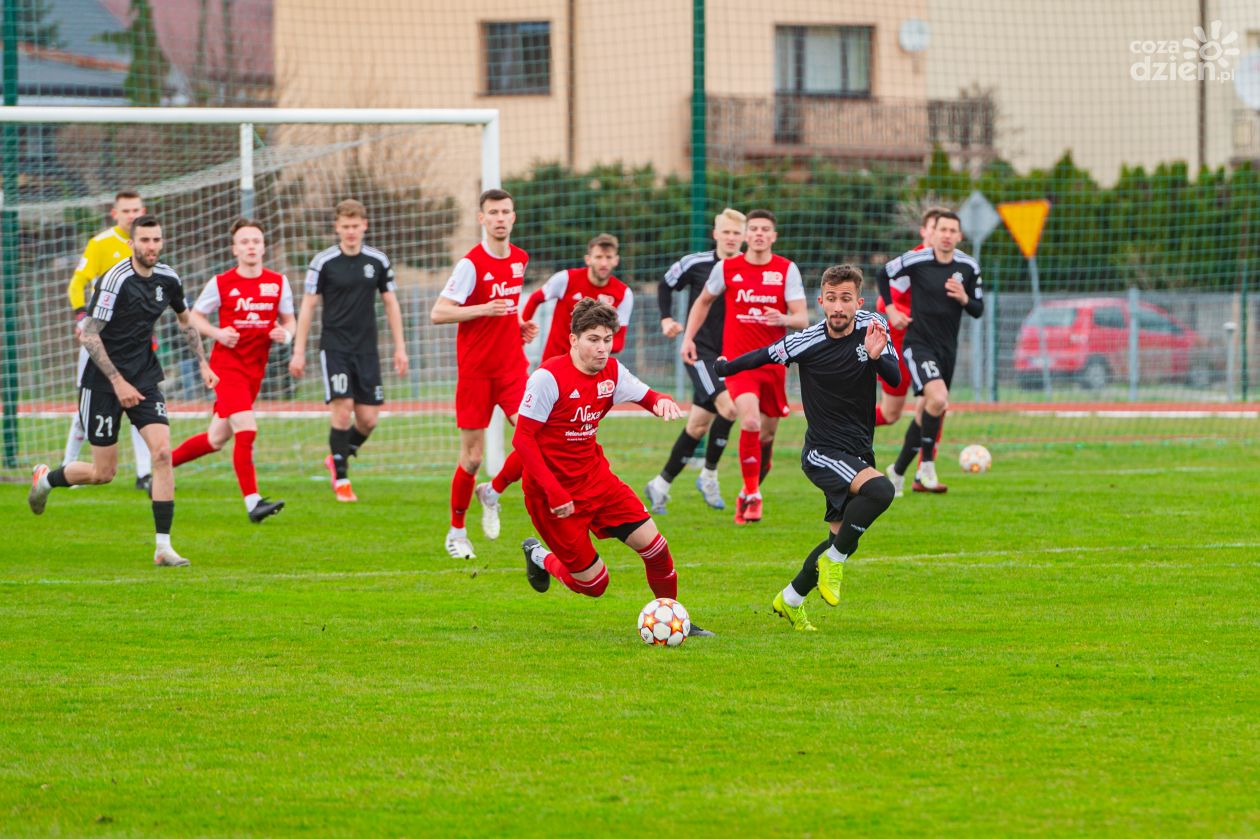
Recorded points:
605,388
861,352
957,275
605,298
369,271
772,278
159,294
269,289
518,270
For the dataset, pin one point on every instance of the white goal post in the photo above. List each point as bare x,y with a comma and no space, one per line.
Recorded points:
246,119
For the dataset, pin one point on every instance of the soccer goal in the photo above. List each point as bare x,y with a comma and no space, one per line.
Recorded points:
197,169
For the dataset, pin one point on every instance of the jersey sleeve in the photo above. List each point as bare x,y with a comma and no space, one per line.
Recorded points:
209,299
625,307
178,303
286,296
629,388
795,347
555,286
103,302
541,393
314,276
385,277
793,286
716,284
459,287
84,273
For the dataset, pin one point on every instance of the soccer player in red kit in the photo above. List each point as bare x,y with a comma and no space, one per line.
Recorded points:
483,296
254,306
570,490
764,297
595,281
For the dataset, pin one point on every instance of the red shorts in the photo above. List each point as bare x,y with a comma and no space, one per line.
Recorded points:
475,398
234,393
570,538
768,384
898,336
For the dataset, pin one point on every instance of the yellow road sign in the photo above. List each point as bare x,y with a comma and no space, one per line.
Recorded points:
1025,220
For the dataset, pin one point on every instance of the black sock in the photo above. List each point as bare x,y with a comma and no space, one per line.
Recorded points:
683,447
357,438
57,477
931,428
807,580
767,452
339,445
872,499
910,448
719,432
163,515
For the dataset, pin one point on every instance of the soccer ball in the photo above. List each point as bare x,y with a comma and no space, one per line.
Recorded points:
975,458
664,623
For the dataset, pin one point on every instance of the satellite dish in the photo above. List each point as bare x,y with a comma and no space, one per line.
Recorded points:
1247,80
914,35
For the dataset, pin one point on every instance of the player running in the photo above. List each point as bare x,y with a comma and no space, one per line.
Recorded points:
838,360
483,296
104,251
764,297
944,282
124,375
595,281
255,310
570,490
346,278
712,411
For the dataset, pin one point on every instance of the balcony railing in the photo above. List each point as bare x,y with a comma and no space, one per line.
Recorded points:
900,131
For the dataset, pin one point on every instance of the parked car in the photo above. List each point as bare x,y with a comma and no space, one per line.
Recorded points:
1087,339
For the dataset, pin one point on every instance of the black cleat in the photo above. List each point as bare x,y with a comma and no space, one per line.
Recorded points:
145,484
697,632
538,577
265,508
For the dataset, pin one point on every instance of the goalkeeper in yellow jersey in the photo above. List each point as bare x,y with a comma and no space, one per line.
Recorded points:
104,251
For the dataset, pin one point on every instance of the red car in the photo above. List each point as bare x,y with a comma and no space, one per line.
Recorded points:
1088,339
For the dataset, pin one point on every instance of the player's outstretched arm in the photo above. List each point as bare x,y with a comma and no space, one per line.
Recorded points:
748,361
297,364
393,316
193,337
90,338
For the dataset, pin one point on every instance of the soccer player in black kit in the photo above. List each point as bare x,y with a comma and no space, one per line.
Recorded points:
944,282
838,359
123,377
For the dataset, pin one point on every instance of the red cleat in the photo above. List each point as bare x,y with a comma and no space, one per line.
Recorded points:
752,510
332,471
919,486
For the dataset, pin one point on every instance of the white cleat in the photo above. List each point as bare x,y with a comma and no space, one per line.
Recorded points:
489,511
711,491
898,482
166,556
38,496
459,547
657,493
927,476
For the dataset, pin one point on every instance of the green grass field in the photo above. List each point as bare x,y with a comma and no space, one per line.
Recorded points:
1067,644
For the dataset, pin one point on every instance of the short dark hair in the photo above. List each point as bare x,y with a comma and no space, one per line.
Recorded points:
246,222
125,193
603,240
932,214
493,195
841,274
145,220
765,214
948,214
590,313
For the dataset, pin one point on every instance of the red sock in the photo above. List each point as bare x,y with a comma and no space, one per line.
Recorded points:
592,588
461,495
192,448
879,416
243,461
750,460
557,569
509,474
659,565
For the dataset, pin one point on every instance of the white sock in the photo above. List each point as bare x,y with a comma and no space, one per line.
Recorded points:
43,483
343,482
537,555
791,597
756,495
163,540
708,474
458,532
491,496
144,461
660,484
74,442
251,501
834,555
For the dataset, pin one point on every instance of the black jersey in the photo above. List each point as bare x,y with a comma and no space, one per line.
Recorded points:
349,285
690,273
130,305
838,388
934,315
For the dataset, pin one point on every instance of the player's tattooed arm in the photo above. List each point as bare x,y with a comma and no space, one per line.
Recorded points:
90,338
192,336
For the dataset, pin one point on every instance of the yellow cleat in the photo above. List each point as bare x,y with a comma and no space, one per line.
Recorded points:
829,576
795,614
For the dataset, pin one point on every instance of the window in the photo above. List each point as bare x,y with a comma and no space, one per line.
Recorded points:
518,57
1149,321
823,60
1109,317
1053,316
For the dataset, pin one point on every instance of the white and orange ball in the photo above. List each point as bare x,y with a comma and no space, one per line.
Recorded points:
975,458
664,623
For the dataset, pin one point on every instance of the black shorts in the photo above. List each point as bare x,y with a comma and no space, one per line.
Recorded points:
927,363
354,376
101,413
705,383
833,471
